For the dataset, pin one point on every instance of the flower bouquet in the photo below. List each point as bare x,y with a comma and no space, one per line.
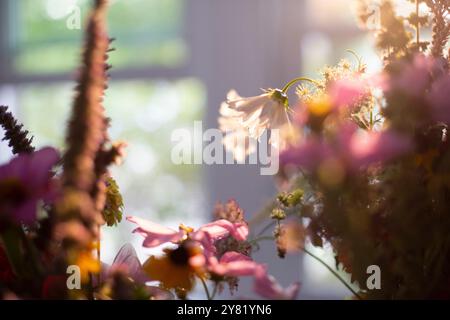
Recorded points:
364,168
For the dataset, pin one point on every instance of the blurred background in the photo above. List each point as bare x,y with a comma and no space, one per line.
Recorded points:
175,60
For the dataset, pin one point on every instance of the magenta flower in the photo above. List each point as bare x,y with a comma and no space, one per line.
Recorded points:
353,148
156,235
25,181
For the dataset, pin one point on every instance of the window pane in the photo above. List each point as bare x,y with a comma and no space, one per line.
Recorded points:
148,33
144,113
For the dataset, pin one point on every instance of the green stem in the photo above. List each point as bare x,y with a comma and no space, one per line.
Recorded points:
213,294
208,296
261,238
293,81
316,258
333,272
358,58
267,227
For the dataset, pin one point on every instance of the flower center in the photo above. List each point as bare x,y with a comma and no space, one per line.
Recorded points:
12,191
280,97
185,228
180,256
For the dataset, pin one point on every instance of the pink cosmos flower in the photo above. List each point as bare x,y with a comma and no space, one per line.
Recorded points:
354,148
234,264
156,235
25,181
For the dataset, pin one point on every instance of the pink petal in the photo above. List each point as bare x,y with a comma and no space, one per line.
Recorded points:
40,164
371,147
347,92
307,155
209,250
197,261
233,264
232,256
155,234
221,228
26,212
127,258
266,286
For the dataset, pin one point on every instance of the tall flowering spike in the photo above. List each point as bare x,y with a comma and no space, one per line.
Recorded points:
87,125
86,136
17,137
441,26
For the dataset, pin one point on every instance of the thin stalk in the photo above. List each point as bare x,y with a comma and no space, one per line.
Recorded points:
261,239
333,272
254,241
293,81
214,292
358,58
208,296
267,227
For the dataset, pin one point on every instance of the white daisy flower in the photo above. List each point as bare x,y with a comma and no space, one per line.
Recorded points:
245,119
266,111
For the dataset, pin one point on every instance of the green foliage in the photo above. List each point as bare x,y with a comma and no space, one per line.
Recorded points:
113,211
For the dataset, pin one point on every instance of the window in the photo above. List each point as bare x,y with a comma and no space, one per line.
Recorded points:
150,94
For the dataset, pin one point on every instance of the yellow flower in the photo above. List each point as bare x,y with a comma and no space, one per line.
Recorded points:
177,268
320,106
88,264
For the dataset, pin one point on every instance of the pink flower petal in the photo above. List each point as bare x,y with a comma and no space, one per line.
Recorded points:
155,234
232,256
371,147
347,92
233,264
266,286
197,261
209,250
26,213
128,259
221,228
40,164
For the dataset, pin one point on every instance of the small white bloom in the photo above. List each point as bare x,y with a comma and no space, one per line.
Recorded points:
244,119
266,111
237,139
